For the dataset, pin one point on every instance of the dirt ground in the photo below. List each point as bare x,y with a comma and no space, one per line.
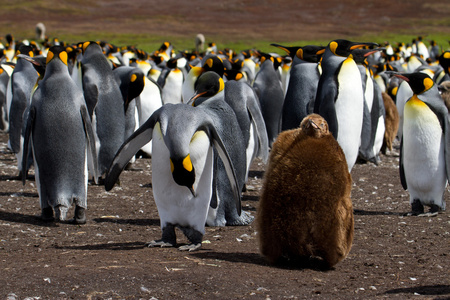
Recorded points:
393,256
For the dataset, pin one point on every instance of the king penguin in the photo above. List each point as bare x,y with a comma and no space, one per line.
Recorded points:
104,102
305,210
59,130
267,85
182,167
23,80
302,86
424,151
209,96
340,98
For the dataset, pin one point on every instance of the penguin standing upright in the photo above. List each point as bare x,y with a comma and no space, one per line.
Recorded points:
302,86
425,147
242,99
182,168
267,85
104,102
340,98
59,130
209,96
305,208
171,81
22,81
5,74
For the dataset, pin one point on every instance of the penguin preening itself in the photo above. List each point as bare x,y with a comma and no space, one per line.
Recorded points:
182,166
305,208
340,98
59,129
425,145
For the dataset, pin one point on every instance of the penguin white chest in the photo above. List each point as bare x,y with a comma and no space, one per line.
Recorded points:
349,110
175,203
423,151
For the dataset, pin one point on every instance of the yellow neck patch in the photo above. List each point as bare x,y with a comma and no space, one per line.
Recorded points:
333,47
222,84
85,44
63,57
133,78
394,91
447,55
299,53
428,84
209,62
187,163
49,56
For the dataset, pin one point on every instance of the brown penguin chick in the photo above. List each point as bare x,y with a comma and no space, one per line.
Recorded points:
444,89
391,122
305,214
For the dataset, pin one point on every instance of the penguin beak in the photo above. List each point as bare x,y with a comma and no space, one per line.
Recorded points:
193,192
314,125
192,100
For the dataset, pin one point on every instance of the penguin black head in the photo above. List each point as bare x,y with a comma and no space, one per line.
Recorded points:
213,63
310,53
344,47
315,126
275,60
444,61
207,85
419,82
183,172
233,75
360,55
85,45
290,50
57,51
27,50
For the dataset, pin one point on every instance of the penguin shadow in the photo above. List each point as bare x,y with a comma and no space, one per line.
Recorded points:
14,194
138,222
423,290
105,246
15,178
362,212
254,173
25,219
257,259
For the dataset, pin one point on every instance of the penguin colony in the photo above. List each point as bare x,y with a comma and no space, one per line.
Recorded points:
81,113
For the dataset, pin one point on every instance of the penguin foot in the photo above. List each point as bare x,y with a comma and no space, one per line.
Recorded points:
159,243
416,208
244,219
433,212
80,216
47,214
190,247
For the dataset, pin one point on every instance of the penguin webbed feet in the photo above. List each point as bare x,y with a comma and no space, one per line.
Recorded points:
160,243
417,209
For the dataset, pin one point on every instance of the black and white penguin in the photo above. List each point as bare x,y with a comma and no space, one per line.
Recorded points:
424,152
59,130
23,80
340,97
104,102
182,168
210,97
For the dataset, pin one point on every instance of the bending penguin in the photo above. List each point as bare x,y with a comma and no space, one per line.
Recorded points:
425,145
305,214
59,130
182,167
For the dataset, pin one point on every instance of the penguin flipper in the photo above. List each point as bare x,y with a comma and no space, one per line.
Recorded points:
401,167
258,122
129,148
91,140
229,168
26,141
